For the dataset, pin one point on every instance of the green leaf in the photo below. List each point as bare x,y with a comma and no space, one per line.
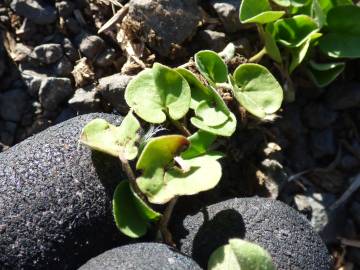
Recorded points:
156,93
145,210
239,255
196,175
257,90
199,92
258,12
323,74
211,114
318,13
127,217
293,32
226,129
271,48
338,45
200,142
211,66
101,136
327,5
298,53
293,3
160,151
343,38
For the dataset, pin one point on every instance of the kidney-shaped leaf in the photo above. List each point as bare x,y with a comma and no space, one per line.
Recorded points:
293,32
160,151
132,216
344,33
325,73
157,92
288,3
101,136
240,254
196,175
211,66
226,129
257,90
258,11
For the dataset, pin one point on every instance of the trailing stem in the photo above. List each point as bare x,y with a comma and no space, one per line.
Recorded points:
257,57
130,174
164,222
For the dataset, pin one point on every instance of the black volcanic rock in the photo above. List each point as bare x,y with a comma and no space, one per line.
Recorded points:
142,256
55,200
285,234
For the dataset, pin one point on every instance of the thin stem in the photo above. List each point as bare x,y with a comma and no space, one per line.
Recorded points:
180,127
164,222
130,174
257,57
261,32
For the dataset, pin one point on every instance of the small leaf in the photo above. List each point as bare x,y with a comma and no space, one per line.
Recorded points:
288,3
327,5
126,215
199,92
257,90
145,210
240,254
160,151
211,66
258,12
325,73
293,32
344,33
200,142
157,92
226,129
203,174
210,114
102,136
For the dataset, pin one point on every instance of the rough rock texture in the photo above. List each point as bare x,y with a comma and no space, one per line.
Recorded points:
142,256
287,236
37,11
228,12
55,207
162,23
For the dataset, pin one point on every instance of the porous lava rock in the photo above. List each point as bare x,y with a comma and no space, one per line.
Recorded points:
141,256
284,233
55,200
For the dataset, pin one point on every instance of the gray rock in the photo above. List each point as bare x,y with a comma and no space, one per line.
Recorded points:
90,45
142,256
85,101
47,53
211,40
70,50
37,11
343,96
12,104
72,25
33,81
65,8
317,115
7,132
112,90
54,91
63,67
106,58
285,234
55,200
163,22
322,143
228,12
